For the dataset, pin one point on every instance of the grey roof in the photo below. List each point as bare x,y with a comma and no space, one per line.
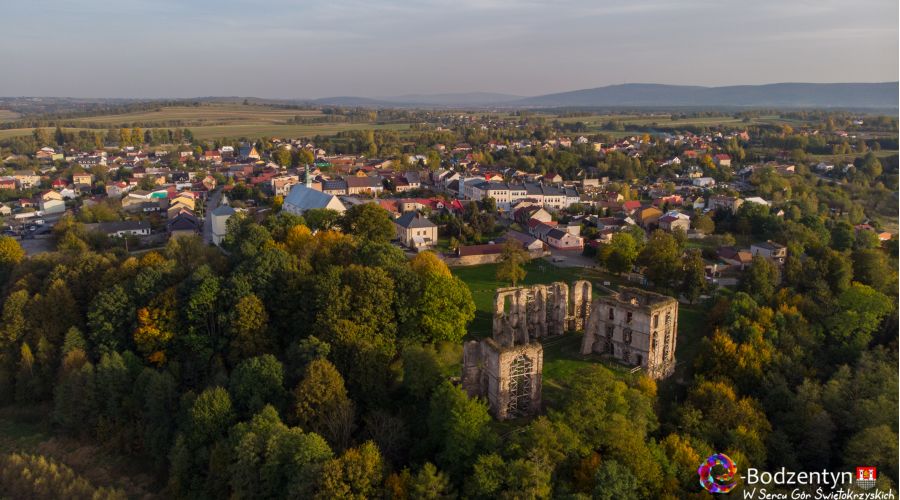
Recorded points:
362,182
769,245
556,233
334,184
552,191
412,220
184,222
305,198
222,210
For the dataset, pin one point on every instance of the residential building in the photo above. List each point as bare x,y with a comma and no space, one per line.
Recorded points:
122,228
727,203
770,250
673,221
52,202
563,240
183,224
415,231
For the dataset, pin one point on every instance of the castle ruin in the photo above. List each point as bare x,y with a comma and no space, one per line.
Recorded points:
635,326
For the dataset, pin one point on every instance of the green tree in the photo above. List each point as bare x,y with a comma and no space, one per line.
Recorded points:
255,383
859,312
249,336
421,371
444,308
11,254
459,427
614,481
430,484
512,259
761,279
73,403
662,257
620,254
322,405
357,474
319,219
694,282
271,460
109,318
368,221
282,157
704,224
871,267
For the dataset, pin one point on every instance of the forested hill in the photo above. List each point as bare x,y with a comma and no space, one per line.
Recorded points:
806,95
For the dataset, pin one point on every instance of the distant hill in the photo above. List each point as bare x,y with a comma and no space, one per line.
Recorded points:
800,95
475,99
458,99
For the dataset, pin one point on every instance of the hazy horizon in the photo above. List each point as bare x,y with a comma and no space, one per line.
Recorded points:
169,49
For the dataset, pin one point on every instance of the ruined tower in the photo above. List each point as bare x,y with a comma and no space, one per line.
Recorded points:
637,327
506,369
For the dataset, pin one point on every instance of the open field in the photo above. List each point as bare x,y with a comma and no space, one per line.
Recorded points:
21,132
250,131
254,131
214,121
7,115
653,122
482,283
213,114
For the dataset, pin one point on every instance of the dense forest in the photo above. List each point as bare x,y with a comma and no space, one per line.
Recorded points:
303,364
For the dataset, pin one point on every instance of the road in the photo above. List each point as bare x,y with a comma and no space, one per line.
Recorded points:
211,203
569,258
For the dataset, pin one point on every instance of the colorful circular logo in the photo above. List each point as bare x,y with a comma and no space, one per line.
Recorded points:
718,483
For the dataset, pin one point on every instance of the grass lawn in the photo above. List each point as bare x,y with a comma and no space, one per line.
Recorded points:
691,330
562,355
562,360
483,283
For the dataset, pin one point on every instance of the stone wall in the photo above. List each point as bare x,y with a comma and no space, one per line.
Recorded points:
477,260
637,327
510,377
540,311
507,369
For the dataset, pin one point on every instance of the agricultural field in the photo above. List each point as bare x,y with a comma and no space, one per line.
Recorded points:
255,131
215,121
20,132
7,115
652,122
207,114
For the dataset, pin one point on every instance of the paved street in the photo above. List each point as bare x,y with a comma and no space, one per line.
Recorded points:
569,258
211,203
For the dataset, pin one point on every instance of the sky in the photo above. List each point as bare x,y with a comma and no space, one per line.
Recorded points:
374,48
